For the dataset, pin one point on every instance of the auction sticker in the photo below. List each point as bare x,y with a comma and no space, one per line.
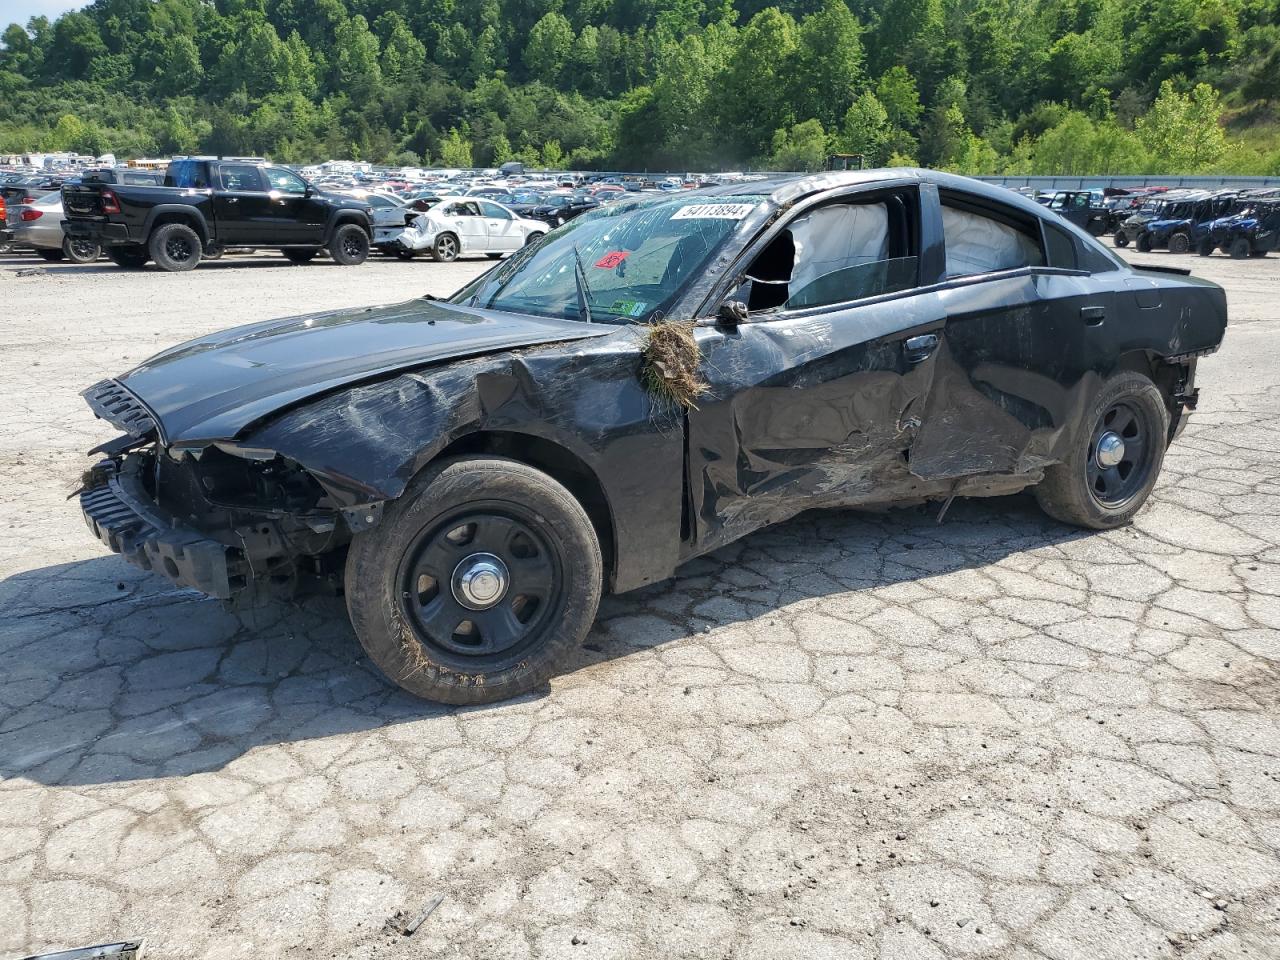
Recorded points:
713,211
610,260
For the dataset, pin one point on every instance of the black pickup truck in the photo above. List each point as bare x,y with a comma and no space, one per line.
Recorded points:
206,205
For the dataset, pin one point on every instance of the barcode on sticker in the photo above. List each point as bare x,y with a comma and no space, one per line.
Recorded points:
714,211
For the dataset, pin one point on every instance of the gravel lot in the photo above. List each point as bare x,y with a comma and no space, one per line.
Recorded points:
850,736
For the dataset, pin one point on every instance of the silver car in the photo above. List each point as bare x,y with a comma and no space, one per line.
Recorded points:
38,225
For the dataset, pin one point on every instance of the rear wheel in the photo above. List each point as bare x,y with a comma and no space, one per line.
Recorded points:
1116,459
1240,248
300,254
446,248
533,238
175,247
350,245
1179,243
1143,243
132,256
52,254
81,251
1121,239
478,584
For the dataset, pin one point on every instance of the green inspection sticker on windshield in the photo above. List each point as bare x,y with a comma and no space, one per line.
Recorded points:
628,308
713,211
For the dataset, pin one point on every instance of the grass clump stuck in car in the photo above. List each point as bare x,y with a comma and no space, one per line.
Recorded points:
670,370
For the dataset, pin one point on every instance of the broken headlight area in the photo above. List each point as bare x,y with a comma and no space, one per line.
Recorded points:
219,519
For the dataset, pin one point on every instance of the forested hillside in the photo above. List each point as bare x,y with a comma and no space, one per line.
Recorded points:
1024,86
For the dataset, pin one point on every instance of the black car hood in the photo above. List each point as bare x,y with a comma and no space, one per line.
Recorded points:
215,387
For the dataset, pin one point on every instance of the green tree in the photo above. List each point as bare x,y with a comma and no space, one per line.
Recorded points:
357,56
801,147
866,129
550,43
455,150
1183,133
827,70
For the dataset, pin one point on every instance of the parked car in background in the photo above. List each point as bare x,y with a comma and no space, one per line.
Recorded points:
1174,231
38,226
555,209
1167,206
130,175
458,226
209,203
1253,231
1084,208
478,471
29,189
6,234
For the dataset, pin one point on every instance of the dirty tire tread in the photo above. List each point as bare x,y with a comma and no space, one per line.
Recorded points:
375,555
161,236
1063,493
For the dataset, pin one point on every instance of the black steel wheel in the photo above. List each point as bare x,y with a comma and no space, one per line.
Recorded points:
1121,239
1179,243
446,248
482,581
1143,243
175,247
1114,462
478,584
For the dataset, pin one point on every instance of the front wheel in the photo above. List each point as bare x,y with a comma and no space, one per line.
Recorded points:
446,248
478,584
81,251
1205,249
1121,239
1143,243
1179,243
533,238
350,245
1240,249
1115,460
175,247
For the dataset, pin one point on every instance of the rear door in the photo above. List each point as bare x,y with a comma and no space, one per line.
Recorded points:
1023,325
500,228
242,207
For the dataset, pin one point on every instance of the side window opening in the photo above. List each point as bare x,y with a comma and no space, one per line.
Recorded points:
983,239
837,253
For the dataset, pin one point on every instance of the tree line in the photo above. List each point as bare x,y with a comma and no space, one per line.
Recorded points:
978,86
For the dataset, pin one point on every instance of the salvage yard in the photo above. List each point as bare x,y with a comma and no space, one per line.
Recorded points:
853,735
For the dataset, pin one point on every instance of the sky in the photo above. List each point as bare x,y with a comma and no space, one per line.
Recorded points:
20,11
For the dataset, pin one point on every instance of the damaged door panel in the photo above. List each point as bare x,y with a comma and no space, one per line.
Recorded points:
473,473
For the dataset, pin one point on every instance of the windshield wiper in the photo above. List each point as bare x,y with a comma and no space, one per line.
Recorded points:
580,282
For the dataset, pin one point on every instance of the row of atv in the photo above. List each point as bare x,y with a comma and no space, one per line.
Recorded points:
1239,223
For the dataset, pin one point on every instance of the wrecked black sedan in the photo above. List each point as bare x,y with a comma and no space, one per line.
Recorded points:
651,381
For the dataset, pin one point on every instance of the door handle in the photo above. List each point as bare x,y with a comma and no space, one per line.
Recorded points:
919,348
1093,316
233,199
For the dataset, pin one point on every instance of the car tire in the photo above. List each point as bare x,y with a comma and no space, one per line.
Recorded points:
1240,249
1090,488
533,238
406,582
81,251
175,247
1143,243
446,248
1205,249
349,245
1179,243
51,254
300,255
1121,239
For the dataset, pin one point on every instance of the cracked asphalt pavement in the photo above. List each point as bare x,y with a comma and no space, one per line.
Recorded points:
854,735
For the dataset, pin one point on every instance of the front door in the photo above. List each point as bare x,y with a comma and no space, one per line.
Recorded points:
463,217
294,216
818,397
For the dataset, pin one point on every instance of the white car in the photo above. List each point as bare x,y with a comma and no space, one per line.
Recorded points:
469,225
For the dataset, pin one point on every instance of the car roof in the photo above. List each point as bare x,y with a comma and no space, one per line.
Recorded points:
784,189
